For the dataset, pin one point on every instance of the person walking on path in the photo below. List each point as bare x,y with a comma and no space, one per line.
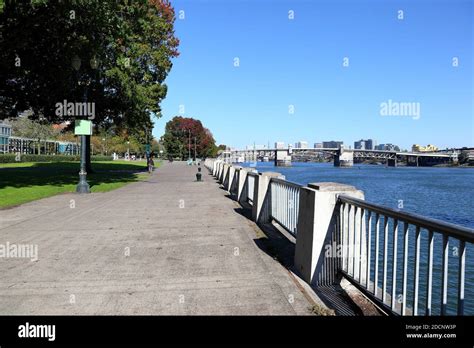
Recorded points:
150,163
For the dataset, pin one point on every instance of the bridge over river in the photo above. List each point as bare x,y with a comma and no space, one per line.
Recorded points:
342,157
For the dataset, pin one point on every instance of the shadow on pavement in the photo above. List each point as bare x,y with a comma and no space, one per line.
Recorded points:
66,173
280,248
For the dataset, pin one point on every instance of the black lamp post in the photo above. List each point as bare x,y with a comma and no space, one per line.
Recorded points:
82,186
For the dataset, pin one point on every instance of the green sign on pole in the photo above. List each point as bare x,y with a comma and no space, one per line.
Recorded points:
83,127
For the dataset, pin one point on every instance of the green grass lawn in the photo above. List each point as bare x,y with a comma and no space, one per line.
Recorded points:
25,182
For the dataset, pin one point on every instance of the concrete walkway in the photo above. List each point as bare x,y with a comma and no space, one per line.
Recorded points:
167,245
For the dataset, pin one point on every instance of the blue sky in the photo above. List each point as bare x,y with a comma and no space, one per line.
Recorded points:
299,62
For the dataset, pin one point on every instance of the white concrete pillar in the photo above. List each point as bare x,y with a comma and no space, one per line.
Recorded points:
235,181
282,158
241,195
260,193
225,170
317,221
230,178
218,167
345,158
216,173
221,169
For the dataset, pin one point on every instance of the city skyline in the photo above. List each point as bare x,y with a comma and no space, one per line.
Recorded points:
375,145
329,72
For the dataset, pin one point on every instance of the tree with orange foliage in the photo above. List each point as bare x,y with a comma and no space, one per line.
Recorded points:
181,133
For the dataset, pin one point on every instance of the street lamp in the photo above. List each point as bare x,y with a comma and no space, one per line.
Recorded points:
128,150
82,186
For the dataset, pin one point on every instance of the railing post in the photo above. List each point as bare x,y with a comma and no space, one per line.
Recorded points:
226,176
235,182
223,173
242,178
317,221
221,169
230,178
218,169
214,168
261,192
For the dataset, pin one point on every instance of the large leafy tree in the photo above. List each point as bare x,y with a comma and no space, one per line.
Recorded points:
130,42
183,135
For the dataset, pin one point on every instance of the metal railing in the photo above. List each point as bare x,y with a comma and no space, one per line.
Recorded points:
250,186
32,146
234,188
285,197
405,263
399,259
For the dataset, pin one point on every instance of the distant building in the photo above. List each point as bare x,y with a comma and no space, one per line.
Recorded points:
301,145
359,145
466,156
427,148
387,147
318,145
5,133
255,147
332,144
279,145
470,156
13,144
362,144
370,144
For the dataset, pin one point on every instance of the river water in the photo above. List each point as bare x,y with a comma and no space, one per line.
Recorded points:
446,194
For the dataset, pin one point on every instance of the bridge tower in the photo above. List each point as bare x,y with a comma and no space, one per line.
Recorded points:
282,158
343,158
392,162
